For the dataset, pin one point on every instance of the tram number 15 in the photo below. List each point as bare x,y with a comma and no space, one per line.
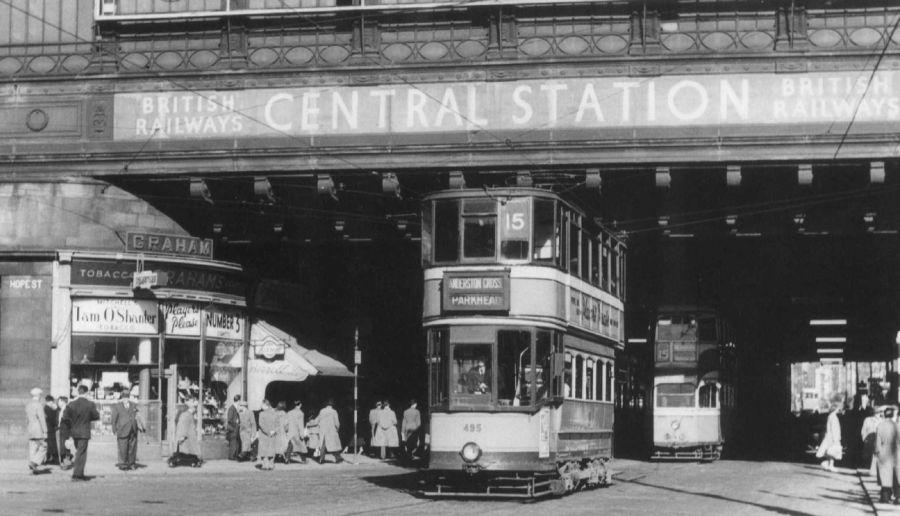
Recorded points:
472,427
515,221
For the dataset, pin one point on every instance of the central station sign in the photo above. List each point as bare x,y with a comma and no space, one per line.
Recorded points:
726,100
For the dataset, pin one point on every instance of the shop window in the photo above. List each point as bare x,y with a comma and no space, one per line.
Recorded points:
446,231
110,365
514,368
544,231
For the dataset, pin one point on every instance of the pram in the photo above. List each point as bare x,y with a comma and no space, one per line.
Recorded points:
184,459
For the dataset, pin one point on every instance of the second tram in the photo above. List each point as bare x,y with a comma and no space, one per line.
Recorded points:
693,388
523,310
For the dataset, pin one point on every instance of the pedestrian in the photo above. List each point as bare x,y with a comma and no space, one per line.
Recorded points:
51,414
886,454
65,455
386,434
329,424
247,431
187,444
313,438
76,425
126,422
411,430
830,448
268,434
867,434
373,424
36,421
281,440
296,428
233,429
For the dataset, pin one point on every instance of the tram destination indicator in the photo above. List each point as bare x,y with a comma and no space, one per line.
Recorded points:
476,292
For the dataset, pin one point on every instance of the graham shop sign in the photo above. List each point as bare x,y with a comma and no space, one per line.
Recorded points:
722,101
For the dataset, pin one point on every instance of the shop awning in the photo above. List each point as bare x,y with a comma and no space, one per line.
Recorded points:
275,355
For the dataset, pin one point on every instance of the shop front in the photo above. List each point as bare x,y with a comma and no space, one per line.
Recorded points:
180,341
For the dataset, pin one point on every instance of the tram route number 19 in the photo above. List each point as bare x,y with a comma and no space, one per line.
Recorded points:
472,427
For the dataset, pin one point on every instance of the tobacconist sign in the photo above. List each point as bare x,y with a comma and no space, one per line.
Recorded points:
476,292
118,316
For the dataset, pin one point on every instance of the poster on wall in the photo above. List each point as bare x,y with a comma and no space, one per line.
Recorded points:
119,316
181,318
222,323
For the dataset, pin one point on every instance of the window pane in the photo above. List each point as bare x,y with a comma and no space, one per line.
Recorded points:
471,374
563,248
610,381
579,377
585,255
514,370
544,231
515,227
675,395
589,379
574,233
614,273
437,370
567,377
480,234
446,231
543,355
427,221
479,206
708,395
604,269
595,262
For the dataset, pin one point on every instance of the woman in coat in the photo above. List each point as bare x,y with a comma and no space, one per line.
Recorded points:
247,429
329,424
886,453
281,440
386,432
295,432
186,441
268,433
314,444
831,449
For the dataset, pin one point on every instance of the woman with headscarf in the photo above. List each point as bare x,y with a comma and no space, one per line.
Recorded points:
268,434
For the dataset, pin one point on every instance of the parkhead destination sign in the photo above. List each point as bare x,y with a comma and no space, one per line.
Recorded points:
605,105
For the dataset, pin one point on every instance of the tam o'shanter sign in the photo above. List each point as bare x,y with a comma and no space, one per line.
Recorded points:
764,99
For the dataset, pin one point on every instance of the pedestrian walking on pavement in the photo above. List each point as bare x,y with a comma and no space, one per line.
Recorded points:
36,421
126,422
76,425
233,429
329,424
386,434
373,425
247,430
886,454
830,448
281,439
187,444
51,414
296,428
411,430
867,434
65,454
268,434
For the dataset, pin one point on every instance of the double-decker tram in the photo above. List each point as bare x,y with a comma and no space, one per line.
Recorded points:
523,311
693,384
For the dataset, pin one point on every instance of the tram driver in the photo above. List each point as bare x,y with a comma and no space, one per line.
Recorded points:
477,379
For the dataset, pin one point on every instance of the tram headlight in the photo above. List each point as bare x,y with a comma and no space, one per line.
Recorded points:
470,452
675,425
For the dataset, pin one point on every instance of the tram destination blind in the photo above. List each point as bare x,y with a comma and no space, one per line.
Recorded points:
476,292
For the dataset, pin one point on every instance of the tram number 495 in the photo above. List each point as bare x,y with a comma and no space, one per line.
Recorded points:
472,427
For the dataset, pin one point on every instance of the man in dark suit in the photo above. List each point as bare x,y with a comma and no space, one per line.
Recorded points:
233,429
76,423
126,423
52,415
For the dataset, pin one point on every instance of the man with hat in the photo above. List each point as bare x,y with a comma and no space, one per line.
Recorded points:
126,422
76,424
37,430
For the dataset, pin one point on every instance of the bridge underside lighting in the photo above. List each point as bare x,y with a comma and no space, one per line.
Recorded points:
828,322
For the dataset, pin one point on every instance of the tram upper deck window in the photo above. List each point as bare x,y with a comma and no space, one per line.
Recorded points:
479,228
675,395
514,368
574,241
544,231
471,374
446,231
709,395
